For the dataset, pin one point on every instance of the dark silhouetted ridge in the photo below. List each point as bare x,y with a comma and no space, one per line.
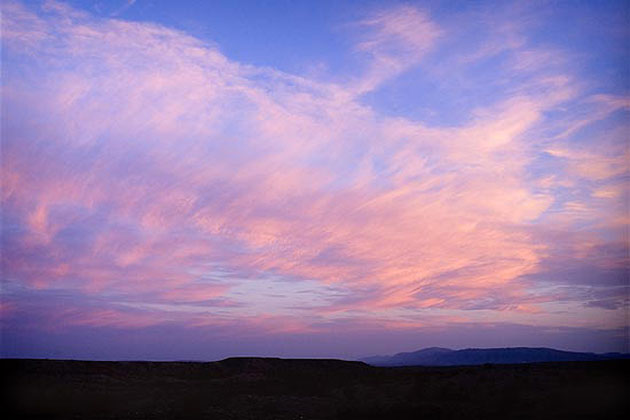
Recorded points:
437,356
274,363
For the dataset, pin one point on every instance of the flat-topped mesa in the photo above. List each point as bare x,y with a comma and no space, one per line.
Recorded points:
264,363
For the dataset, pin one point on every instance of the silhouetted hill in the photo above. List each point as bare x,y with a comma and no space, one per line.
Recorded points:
437,356
283,389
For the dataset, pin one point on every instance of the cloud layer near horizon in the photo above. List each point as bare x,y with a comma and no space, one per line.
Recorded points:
149,180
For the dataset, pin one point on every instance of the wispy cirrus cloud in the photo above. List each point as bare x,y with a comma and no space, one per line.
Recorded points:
397,39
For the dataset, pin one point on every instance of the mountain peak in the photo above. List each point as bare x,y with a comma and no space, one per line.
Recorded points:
434,350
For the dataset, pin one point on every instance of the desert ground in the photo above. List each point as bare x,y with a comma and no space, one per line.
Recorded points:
267,388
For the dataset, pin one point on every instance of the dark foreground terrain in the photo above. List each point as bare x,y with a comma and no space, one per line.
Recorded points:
255,388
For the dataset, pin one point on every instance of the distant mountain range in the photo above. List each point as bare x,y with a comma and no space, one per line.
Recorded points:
438,356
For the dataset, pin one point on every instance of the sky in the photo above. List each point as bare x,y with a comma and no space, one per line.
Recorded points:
195,180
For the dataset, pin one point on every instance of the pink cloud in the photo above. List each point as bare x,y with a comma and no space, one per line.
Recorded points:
396,39
143,163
